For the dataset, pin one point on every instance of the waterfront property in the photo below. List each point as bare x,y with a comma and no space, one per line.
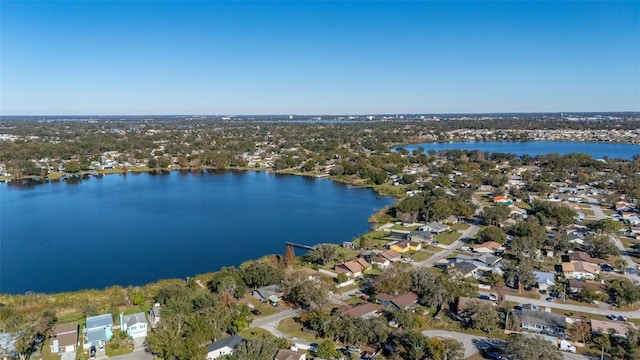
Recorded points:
64,338
135,325
98,331
223,347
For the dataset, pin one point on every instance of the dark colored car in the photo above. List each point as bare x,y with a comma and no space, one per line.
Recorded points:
256,312
93,352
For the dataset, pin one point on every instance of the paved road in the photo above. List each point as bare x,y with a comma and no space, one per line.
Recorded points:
136,355
270,323
467,234
473,344
558,304
631,270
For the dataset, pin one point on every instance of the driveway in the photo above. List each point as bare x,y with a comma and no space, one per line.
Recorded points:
472,343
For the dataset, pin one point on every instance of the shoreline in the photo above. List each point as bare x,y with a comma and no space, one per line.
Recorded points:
205,275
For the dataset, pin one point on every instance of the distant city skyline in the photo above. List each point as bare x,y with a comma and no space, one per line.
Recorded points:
340,58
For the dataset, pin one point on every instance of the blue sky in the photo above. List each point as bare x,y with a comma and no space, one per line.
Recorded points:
306,57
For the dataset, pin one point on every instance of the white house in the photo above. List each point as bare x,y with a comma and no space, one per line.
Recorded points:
134,325
223,347
154,313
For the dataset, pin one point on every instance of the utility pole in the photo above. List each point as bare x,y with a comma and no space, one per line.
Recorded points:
602,355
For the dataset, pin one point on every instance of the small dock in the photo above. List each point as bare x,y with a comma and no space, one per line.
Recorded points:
299,246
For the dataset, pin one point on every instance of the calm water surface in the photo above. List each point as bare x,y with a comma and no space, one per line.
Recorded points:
139,228
597,150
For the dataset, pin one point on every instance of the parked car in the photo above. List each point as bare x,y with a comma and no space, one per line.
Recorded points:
364,297
622,318
93,352
256,312
353,348
313,347
613,317
550,299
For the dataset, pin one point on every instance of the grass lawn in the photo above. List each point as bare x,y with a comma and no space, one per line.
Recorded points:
290,327
264,308
46,352
447,238
420,255
460,226
118,348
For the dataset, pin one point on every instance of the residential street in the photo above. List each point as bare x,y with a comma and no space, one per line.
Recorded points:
473,343
631,270
270,323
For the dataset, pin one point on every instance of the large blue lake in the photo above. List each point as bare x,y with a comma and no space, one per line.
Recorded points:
597,150
138,228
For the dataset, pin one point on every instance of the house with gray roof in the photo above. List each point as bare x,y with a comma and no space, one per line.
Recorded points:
269,293
546,280
223,347
484,261
544,322
135,325
466,269
435,227
420,236
98,331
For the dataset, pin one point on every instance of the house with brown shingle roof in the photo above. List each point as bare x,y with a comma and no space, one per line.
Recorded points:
286,354
353,268
64,338
403,301
364,311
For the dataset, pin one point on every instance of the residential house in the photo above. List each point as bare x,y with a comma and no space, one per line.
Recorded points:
632,220
435,227
404,301
154,313
420,236
135,325
286,354
64,338
466,269
489,247
616,328
98,331
451,219
546,280
390,255
576,286
502,200
353,268
405,246
582,256
545,322
270,293
364,310
580,270
484,262
223,347
516,212
380,261
8,346
576,237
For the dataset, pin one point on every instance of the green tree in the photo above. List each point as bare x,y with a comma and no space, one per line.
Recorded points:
321,254
327,350
298,289
260,273
256,348
481,316
531,348
600,246
72,167
491,233
138,299
622,291
494,215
